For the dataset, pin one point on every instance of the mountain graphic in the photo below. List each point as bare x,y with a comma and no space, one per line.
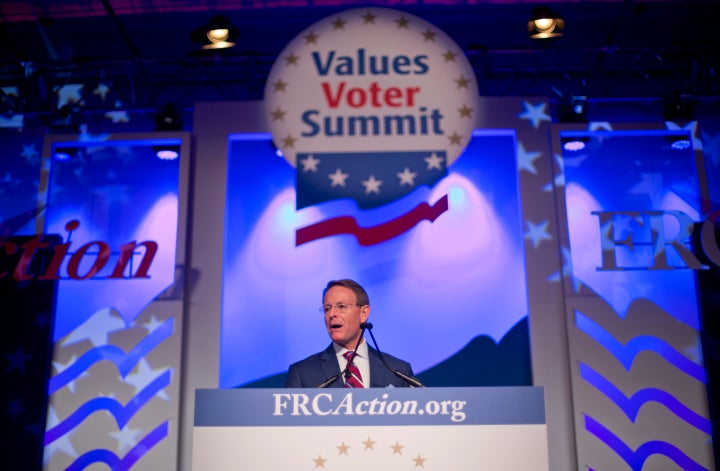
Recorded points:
481,362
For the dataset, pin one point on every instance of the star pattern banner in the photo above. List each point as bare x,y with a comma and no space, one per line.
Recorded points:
371,179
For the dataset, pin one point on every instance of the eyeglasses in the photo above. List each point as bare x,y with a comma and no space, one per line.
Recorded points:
342,308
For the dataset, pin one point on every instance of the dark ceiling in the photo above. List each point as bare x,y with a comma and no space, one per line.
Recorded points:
142,49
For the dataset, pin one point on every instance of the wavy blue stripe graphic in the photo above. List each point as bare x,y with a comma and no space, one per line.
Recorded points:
631,406
124,361
121,413
626,353
113,461
636,459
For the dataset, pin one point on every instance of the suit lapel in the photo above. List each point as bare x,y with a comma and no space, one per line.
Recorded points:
377,369
330,367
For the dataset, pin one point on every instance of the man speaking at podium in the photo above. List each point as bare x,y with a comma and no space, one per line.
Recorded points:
348,361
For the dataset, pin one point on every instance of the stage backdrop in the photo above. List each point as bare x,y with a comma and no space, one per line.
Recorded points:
461,262
114,387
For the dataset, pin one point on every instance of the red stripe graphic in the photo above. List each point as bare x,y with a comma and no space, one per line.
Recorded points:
371,235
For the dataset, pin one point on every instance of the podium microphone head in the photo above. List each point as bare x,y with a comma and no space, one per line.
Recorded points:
366,325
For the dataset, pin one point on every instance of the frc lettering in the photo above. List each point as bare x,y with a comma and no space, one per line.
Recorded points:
650,238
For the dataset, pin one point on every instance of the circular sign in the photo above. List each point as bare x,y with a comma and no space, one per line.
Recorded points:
371,80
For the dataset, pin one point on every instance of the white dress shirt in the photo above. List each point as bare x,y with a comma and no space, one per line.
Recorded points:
361,360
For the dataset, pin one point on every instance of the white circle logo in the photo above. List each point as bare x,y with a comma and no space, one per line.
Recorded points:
371,80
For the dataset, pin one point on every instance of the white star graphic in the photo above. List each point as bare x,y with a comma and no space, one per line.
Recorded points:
600,126
535,113
60,367
566,271
647,186
526,160
537,233
15,121
692,127
69,93
372,185
407,177
62,444
559,179
29,152
153,324
127,438
101,91
113,193
142,375
118,116
10,91
434,161
310,163
338,178
96,328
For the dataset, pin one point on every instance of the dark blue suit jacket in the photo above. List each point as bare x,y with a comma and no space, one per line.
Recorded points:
318,368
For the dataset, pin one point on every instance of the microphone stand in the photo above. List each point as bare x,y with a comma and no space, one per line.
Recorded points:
413,382
346,372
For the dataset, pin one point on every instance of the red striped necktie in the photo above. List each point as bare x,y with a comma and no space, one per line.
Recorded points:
355,378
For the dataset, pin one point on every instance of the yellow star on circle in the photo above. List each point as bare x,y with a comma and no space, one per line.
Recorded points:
462,82
455,138
429,35
278,114
289,141
402,22
292,59
369,17
279,85
311,38
339,24
449,56
419,461
465,111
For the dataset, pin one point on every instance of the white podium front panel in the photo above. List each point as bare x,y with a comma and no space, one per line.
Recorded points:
396,428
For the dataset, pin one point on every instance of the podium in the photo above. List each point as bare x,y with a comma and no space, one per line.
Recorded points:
498,428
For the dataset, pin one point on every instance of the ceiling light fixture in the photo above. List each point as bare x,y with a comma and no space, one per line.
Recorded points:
168,118
545,23
218,33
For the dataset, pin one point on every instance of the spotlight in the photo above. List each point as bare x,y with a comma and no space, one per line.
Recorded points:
679,108
575,144
65,154
681,144
65,120
545,23
218,33
167,152
9,101
573,110
278,151
679,141
168,119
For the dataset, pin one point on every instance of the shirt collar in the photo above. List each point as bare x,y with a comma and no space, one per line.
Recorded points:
362,350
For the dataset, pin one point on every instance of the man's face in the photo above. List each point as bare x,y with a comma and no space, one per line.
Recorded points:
344,327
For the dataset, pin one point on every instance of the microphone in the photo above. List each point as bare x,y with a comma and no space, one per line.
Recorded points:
346,372
413,382
327,383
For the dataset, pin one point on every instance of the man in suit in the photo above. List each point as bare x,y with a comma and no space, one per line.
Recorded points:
346,305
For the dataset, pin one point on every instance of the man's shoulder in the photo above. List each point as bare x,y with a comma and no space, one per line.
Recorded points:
392,360
314,358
